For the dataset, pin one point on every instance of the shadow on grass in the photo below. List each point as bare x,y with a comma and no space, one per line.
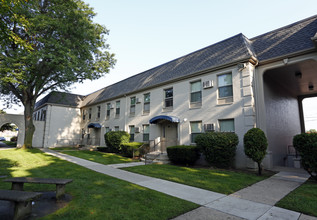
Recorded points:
94,195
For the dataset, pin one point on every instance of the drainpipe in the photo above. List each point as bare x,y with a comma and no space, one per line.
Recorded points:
125,111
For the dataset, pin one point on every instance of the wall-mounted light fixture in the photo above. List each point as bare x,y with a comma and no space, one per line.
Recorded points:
298,75
311,86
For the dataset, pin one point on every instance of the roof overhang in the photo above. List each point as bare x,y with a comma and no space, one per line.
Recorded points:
159,118
94,125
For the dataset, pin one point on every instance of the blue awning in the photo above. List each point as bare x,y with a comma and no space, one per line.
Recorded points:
94,125
157,119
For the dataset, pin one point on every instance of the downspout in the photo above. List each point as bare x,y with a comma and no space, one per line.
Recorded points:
125,112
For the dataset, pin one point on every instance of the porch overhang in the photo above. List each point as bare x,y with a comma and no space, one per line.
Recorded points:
159,118
94,125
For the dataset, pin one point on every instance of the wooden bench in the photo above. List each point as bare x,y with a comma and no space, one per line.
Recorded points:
22,201
18,182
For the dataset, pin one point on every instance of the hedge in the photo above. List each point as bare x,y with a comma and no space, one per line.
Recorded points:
183,154
306,146
219,148
128,148
114,140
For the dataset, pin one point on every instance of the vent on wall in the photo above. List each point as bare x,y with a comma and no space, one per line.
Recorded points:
208,84
138,100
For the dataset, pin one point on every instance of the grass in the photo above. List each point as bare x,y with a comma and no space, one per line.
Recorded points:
222,181
303,199
98,157
94,195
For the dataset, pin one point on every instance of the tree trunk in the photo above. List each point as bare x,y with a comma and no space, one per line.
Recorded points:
259,168
29,126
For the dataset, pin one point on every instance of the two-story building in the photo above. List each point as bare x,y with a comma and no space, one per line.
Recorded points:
233,85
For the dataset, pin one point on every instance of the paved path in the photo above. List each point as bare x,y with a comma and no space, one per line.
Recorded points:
254,202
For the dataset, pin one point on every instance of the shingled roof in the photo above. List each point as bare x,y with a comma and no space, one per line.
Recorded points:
60,98
232,50
283,42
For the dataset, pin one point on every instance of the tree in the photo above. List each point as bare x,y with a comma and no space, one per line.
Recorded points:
255,145
66,47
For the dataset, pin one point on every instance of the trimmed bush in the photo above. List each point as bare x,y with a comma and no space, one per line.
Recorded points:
306,146
255,145
219,148
14,139
183,154
128,148
114,140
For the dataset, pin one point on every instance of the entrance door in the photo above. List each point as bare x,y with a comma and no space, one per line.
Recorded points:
169,135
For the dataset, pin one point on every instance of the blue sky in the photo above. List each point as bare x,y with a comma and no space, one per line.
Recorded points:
145,34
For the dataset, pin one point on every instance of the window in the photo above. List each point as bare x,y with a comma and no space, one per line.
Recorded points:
116,128
131,131
225,86
108,110
226,125
107,129
89,115
117,109
84,115
195,129
168,96
43,115
146,107
98,111
146,132
195,92
132,105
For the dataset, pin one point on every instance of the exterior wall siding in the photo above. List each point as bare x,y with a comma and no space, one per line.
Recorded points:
210,112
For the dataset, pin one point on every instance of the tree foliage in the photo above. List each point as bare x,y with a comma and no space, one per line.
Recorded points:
60,45
255,145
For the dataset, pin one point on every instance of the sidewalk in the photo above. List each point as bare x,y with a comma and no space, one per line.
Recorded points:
254,202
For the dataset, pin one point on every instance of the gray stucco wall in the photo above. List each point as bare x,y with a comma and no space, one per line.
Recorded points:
282,119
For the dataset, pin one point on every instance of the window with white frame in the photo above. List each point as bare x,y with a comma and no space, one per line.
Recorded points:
131,132
225,86
168,98
84,114
146,105
146,132
117,109
107,129
89,114
195,129
195,92
116,128
98,111
226,125
132,105
108,110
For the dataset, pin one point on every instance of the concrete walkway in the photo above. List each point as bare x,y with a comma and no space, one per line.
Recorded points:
254,202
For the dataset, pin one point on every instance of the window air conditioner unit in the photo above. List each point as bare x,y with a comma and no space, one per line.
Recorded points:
209,127
137,129
138,100
208,84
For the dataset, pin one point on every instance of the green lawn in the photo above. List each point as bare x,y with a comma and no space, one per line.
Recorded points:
222,181
98,157
303,199
95,195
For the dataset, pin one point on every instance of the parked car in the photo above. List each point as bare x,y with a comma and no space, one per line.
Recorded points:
2,139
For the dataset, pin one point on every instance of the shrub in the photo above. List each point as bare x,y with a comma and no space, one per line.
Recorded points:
127,149
14,139
306,146
183,154
255,145
114,140
219,148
